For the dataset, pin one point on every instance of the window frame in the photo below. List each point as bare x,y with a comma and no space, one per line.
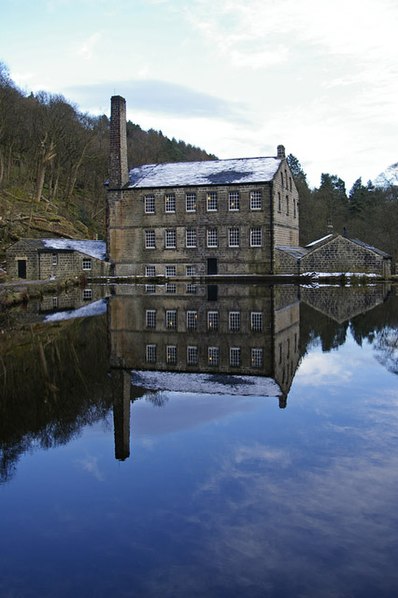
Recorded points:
150,238
254,231
191,243
212,201
170,238
190,197
170,203
212,237
234,236
256,200
149,202
233,202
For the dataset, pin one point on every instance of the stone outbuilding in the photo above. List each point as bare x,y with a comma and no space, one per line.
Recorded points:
334,254
40,259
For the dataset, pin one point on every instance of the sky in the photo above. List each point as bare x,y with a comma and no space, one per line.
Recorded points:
234,77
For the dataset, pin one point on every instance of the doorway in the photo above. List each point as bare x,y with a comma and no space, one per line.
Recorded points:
21,265
212,267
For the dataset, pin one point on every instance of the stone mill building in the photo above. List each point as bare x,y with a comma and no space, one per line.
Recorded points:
197,218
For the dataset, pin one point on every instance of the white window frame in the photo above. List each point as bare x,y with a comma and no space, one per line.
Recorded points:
234,321
171,319
190,237
256,321
234,236
213,320
192,288
190,270
149,204
256,236
150,289
212,201
170,203
212,237
256,200
190,202
87,294
234,357
150,239
150,353
54,259
170,238
171,354
170,271
171,288
87,264
150,271
150,318
234,201
192,320
192,355
213,356
257,357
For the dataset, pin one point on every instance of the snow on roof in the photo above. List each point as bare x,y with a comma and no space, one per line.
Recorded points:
296,252
96,249
96,308
319,240
226,384
212,172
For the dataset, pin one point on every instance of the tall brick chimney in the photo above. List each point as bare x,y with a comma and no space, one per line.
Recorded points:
118,170
280,152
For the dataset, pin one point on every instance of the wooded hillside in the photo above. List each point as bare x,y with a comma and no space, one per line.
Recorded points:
54,161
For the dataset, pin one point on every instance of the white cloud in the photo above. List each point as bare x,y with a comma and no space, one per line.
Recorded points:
86,50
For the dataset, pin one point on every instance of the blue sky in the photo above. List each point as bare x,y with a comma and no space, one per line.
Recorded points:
235,77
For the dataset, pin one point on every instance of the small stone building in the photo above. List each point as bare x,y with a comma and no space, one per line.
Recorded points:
333,254
197,218
40,259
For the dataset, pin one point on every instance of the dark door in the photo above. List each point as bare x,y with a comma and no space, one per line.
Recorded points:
21,268
212,265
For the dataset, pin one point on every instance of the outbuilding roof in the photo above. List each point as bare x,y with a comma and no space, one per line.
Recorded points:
95,249
211,172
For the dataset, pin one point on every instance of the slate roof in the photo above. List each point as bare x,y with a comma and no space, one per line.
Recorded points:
212,172
296,252
95,249
371,248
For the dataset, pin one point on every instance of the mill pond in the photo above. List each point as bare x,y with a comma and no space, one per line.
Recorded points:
226,440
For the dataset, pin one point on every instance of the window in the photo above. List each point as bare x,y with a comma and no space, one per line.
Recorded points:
192,355
190,202
87,294
192,320
190,270
150,318
171,319
256,321
150,353
55,302
86,264
192,289
256,237
212,237
54,259
150,288
256,200
287,205
234,321
256,357
150,239
150,270
169,203
294,209
212,320
170,238
213,356
234,201
233,236
212,201
171,288
149,204
234,356
279,202
191,237
290,183
170,270
171,354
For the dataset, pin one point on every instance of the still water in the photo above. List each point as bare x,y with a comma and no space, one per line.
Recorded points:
223,441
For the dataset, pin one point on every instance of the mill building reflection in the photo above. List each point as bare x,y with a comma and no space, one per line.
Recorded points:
199,338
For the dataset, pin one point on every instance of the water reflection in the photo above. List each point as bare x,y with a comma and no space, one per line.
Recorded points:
57,377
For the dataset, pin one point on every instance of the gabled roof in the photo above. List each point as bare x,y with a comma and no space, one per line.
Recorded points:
212,172
320,241
324,240
371,248
296,252
95,249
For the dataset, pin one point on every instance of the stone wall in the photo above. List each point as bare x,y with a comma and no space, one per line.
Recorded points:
128,223
285,208
285,263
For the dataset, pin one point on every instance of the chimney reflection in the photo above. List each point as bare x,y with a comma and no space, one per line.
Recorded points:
217,333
